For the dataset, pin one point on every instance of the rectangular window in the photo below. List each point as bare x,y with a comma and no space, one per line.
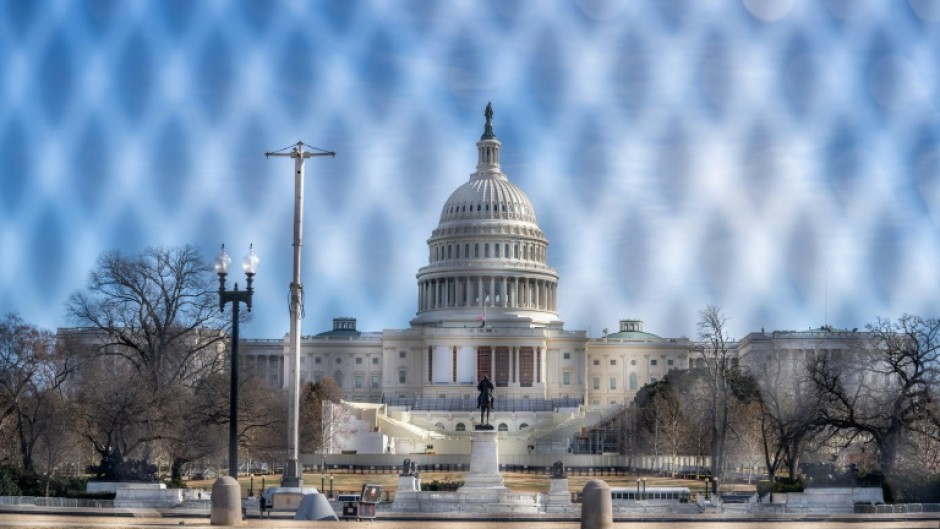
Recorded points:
375,360
375,381
402,376
566,378
484,359
525,367
317,377
402,354
502,367
566,356
613,362
316,360
597,362
359,379
476,250
653,362
613,382
669,362
358,360
596,383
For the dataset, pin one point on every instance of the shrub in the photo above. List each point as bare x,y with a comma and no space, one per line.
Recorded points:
8,485
442,485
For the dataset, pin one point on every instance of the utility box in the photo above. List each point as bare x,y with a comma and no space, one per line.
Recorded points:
368,500
350,506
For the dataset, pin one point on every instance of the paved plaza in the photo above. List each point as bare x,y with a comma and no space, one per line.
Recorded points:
24,521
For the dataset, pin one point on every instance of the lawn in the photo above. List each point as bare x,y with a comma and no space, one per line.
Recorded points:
515,481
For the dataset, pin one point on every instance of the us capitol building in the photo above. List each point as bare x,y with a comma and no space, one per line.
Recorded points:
487,305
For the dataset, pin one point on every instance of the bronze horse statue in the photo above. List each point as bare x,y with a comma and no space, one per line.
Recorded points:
485,400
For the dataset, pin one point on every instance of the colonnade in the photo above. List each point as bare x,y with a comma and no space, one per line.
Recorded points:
487,291
264,366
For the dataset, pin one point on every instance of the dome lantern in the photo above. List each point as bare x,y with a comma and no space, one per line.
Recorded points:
488,148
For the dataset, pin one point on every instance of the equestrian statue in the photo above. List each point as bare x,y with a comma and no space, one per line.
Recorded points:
485,401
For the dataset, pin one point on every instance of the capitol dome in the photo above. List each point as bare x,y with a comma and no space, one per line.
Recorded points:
487,256
488,196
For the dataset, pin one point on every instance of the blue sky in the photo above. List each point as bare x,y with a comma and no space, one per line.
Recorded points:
778,158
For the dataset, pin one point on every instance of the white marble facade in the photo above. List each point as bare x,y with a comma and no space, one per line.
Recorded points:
486,304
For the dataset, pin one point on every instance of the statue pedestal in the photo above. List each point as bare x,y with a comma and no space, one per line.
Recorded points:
484,462
559,498
406,499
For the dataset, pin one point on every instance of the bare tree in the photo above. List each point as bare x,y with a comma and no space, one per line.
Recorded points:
789,408
324,421
716,355
156,327
668,427
158,311
882,390
32,370
55,444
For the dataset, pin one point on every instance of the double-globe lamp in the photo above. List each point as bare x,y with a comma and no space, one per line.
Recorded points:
250,265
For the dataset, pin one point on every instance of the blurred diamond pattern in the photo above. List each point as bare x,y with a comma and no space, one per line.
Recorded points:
779,158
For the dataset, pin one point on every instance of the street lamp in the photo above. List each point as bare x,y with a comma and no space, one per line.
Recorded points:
236,297
331,486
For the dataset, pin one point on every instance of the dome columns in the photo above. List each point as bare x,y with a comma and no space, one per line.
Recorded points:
479,291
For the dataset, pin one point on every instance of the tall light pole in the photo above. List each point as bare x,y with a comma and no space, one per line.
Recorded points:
236,297
292,470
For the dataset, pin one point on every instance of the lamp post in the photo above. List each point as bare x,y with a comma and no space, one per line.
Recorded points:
644,488
331,486
293,472
236,297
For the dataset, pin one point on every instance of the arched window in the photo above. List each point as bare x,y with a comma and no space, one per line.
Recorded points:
338,377
633,380
439,426
523,426
502,427
461,427
495,250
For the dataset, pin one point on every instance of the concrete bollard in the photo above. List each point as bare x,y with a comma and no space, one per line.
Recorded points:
597,510
226,502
